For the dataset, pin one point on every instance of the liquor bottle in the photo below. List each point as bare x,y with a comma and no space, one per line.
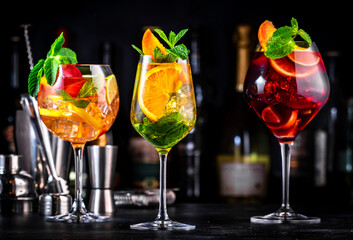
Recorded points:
339,129
243,161
331,139
189,151
11,99
145,163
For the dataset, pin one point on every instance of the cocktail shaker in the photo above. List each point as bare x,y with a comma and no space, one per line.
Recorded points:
17,189
27,147
101,162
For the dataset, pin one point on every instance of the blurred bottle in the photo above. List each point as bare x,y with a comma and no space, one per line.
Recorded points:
346,164
145,163
331,149
11,100
189,151
244,160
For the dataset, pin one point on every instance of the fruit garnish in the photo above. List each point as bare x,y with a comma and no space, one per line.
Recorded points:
111,88
91,86
304,58
276,120
95,122
287,68
157,88
75,114
50,66
270,115
69,79
160,54
281,43
265,32
150,42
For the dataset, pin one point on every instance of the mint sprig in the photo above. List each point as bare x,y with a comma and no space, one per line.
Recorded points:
164,133
282,41
57,55
175,51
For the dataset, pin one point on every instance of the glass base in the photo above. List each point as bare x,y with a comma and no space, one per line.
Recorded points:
285,217
78,218
159,225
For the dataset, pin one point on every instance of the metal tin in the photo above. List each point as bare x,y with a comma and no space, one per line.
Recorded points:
17,188
51,204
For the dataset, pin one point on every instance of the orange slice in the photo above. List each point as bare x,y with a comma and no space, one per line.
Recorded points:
304,58
277,120
150,42
265,32
157,87
270,115
287,68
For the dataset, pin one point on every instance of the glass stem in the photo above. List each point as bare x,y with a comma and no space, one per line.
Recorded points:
162,213
78,205
286,154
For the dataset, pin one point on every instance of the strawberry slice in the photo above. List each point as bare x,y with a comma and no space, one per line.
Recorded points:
70,79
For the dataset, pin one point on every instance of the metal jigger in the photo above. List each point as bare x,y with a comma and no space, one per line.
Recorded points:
102,161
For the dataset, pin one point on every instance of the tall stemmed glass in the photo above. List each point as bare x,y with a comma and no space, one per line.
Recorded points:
163,111
286,93
81,106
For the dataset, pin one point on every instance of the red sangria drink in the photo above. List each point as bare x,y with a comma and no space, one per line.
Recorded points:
286,85
288,92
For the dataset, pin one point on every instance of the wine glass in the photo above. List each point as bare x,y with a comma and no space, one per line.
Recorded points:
286,93
163,111
81,106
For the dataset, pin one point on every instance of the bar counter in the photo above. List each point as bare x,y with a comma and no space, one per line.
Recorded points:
213,221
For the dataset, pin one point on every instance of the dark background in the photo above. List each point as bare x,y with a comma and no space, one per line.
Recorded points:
90,24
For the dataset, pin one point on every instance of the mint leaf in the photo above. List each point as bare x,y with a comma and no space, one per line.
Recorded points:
51,67
180,50
180,35
88,89
282,32
164,133
305,36
138,50
81,103
65,95
67,53
294,24
171,38
34,78
160,58
56,46
280,47
163,36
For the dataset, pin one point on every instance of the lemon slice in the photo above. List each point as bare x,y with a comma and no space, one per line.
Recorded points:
51,113
111,88
94,122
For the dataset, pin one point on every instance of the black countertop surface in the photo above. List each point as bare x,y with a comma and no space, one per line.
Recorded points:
213,221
